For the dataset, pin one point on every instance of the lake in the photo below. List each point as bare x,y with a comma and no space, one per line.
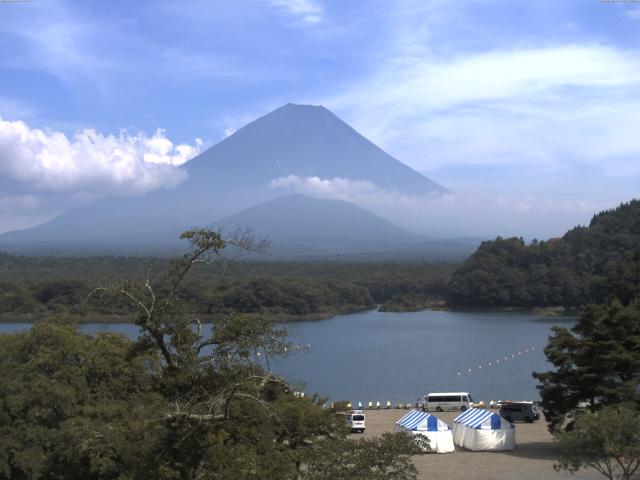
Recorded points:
380,356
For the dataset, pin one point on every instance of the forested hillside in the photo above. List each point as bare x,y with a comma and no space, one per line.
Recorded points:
33,287
570,271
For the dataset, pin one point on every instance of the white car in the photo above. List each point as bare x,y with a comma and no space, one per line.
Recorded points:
356,421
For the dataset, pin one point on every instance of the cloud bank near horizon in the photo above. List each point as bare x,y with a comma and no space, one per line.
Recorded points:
466,213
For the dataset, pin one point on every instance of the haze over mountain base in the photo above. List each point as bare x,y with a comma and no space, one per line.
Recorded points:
245,181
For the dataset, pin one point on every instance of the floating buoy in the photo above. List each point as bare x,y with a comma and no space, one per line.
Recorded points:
469,370
459,374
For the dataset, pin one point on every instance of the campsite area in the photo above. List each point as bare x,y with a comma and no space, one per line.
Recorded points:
532,459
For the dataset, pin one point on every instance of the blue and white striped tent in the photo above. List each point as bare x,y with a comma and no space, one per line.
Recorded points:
478,429
479,418
430,426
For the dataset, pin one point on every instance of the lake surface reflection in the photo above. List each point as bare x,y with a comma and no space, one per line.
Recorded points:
380,356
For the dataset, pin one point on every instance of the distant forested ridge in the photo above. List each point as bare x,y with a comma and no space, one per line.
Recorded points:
581,267
32,288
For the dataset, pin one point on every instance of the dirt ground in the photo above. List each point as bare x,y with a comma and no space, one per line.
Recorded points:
532,459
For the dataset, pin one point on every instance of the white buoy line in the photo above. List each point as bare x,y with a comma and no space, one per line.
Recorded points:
499,361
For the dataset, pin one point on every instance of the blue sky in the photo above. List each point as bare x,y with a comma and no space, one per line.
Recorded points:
529,108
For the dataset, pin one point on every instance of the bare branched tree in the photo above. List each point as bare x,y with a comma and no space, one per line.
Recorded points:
221,360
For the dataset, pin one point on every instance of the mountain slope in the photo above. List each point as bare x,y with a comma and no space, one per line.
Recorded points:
299,217
305,141
233,175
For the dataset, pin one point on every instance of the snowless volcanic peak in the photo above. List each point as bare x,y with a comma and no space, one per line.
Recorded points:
307,141
242,171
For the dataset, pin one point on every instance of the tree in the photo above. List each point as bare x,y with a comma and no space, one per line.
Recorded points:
568,271
183,401
74,406
385,458
607,441
597,361
227,417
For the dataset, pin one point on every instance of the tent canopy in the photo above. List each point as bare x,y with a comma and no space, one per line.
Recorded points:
426,425
482,430
481,419
416,420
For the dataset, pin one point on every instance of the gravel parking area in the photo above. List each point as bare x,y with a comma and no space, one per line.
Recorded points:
532,459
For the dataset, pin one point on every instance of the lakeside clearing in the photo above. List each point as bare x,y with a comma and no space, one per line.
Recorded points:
533,458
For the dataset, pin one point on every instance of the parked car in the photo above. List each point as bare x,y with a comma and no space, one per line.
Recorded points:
519,411
356,421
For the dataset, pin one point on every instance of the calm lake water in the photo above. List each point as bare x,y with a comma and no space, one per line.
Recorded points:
376,356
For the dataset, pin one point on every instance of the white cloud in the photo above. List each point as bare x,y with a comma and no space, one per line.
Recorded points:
633,13
309,11
472,212
338,188
527,107
104,48
49,162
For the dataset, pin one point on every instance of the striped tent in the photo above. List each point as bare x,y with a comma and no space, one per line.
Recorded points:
430,426
480,430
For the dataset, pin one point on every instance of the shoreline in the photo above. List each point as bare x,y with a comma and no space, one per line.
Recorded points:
559,312
31,318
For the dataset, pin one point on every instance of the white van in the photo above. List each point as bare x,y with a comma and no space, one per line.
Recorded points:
355,421
440,402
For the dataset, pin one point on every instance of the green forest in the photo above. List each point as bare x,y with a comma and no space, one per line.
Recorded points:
33,287
174,403
571,271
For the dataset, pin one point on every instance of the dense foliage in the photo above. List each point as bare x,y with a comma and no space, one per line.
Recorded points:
176,404
607,441
382,458
73,406
34,286
597,361
568,271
